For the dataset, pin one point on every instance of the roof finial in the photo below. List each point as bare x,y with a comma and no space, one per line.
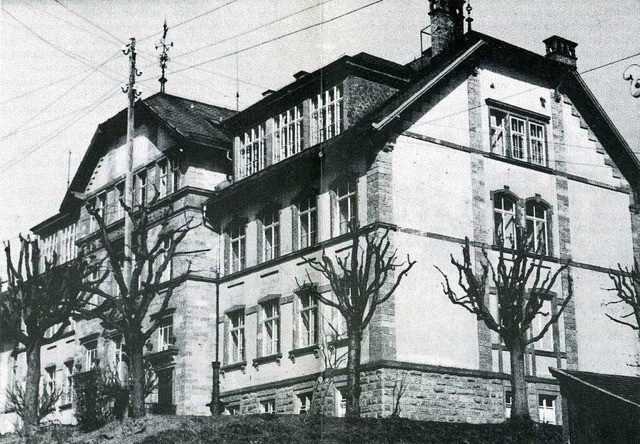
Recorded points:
469,19
163,58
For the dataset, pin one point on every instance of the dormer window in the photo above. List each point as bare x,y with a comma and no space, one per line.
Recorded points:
253,154
326,115
517,133
287,134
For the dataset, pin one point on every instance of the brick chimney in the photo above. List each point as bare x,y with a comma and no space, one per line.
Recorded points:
447,24
561,50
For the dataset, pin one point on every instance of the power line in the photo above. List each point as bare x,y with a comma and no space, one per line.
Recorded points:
116,38
90,108
278,37
76,57
251,30
56,100
189,19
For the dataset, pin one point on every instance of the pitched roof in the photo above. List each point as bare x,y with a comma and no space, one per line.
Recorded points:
624,388
432,72
195,121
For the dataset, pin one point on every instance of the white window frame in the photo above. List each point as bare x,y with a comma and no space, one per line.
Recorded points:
308,221
308,314
268,406
237,344
518,135
90,353
326,114
502,215
237,247
270,327
287,133
253,153
119,190
303,402
547,408
165,332
141,181
347,205
537,227
271,236
163,178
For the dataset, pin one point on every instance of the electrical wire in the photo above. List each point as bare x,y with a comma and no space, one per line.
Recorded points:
116,38
70,54
56,100
89,108
252,29
278,37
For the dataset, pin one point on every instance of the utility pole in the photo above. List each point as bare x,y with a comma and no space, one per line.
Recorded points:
132,95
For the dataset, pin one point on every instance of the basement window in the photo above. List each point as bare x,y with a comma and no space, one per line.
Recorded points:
518,133
547,409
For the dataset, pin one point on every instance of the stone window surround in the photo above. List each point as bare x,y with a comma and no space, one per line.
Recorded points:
528,117
520,214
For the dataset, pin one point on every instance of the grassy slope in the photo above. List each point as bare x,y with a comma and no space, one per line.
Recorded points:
254,429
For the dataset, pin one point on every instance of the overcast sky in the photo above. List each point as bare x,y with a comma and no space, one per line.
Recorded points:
61,75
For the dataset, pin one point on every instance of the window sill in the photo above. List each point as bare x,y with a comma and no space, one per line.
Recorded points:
311,349
266,359
235,366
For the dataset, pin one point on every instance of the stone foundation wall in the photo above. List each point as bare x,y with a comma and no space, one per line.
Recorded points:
477,397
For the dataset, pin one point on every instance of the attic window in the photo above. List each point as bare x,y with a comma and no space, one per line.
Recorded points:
518,133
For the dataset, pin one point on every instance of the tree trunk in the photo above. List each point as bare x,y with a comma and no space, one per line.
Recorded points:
32,388
353,373
520,403
136,377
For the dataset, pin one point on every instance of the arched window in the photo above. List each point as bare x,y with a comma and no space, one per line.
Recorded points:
536,226
504,217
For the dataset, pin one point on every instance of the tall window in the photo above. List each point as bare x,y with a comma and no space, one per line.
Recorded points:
67,384
253,154
141,188
90,354
237,247
304,402
308,320
307,221
547,409
347,205
518,137
271,235
236,336
271,328
497,132
119,213
50,382
538,143
536,221
504,215
163,178
518,134
326,115
165,332
287,134
175,174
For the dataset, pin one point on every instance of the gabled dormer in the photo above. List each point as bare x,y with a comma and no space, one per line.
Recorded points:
313,109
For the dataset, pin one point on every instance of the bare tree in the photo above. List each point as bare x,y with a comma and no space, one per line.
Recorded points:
362,281
626,285
522,288
36,309
125,308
